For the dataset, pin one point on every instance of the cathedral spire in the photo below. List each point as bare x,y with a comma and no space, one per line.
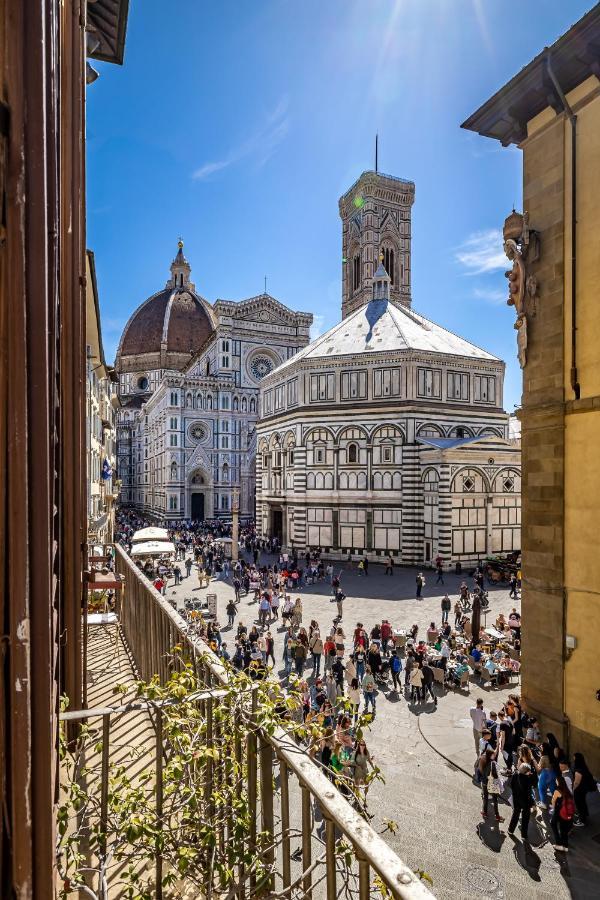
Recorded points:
381,281
180,270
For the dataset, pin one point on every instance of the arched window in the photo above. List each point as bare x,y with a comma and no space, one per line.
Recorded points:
225,473
388,262
252,405
174,471
352,453
356,272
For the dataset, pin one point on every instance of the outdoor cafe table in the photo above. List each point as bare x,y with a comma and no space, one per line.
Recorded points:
494,634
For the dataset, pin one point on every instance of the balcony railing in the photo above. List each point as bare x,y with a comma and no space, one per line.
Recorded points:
284,785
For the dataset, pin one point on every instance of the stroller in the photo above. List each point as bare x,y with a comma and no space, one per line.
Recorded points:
382,676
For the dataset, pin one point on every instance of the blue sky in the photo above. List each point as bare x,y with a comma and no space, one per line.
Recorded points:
237,124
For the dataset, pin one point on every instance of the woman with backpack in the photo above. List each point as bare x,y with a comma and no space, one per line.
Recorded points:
563,813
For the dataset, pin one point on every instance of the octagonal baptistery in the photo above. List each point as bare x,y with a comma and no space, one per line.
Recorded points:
169,328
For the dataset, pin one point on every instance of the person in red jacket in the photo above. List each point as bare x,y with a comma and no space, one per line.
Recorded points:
386,635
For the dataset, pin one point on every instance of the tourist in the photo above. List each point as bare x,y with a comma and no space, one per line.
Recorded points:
339,599
315,646
361,761
522,785
389,566
396,669
446,607
546,775
368,687
563,811
416,682
329,653
439,565
427,673
231,610
420,585
491,783
584,783
458,613
479,719
270,648
353,694
386,636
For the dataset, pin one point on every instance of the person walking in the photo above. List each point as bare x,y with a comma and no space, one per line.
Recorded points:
231,610
396,669
446,607
264,610
339,599
366,565
237,586
563,814
300,658
439,565
491,783
427,673
270,651
584,783
513,586
457,614
420,584
522,785
479,719
368,687
416,683
177,574
353,694
275,603
389,566
188,566
315,646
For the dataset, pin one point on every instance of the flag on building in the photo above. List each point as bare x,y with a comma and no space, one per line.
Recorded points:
106,470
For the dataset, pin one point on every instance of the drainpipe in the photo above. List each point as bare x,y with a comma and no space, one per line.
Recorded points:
573,120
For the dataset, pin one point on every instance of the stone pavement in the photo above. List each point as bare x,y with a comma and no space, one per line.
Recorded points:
426,755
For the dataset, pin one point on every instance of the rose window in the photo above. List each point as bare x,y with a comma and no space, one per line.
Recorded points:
261,366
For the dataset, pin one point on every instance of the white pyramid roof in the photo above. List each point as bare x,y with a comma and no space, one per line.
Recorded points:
380,327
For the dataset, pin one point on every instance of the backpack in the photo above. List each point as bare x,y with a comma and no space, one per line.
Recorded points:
396,664
567,809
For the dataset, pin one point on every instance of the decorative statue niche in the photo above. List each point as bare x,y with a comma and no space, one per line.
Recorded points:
521,246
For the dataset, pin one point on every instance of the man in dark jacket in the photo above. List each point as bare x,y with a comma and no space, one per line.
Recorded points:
428,682
522,785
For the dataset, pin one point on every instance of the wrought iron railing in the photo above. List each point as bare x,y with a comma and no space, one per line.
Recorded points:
152,628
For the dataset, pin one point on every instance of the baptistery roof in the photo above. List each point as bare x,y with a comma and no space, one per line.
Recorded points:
381,326
169,327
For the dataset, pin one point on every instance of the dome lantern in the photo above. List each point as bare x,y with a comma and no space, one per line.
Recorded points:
180,270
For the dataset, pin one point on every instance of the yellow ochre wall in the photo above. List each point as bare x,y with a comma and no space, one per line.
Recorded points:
582,430
561,434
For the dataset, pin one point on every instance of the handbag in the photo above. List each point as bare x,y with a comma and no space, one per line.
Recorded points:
495,784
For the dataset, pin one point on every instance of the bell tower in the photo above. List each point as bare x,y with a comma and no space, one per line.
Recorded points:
376,221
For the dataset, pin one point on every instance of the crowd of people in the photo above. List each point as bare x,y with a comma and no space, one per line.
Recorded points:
337,671
540,777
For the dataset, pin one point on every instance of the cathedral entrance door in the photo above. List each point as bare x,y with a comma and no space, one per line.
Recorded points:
198,507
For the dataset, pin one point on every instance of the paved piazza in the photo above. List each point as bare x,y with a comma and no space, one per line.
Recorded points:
426,755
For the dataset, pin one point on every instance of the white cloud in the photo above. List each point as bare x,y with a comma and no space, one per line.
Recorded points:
316,329
261,144
491,295
482,252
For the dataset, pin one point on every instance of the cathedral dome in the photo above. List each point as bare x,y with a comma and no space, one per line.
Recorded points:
169,327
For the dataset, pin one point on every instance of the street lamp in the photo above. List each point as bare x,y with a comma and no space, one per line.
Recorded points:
235,511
